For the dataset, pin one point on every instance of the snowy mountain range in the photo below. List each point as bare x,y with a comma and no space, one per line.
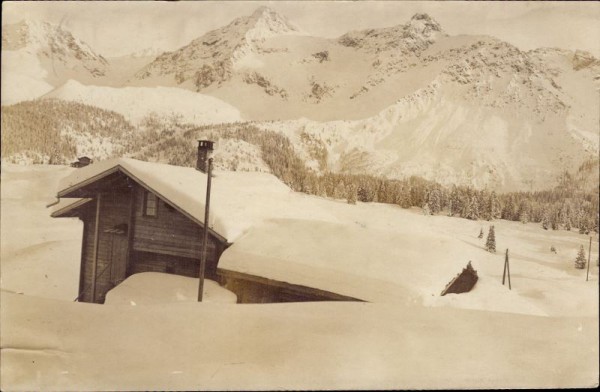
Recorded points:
396,101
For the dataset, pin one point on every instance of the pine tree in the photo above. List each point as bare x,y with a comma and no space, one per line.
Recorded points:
568,224
545,222
580,260
351,196
473,209
554,221
434,201
583,226
490,243
340,191
508,212
426,210
523,214
455,202
495,208
524,217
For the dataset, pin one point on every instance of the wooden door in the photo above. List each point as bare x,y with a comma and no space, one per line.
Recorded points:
118,271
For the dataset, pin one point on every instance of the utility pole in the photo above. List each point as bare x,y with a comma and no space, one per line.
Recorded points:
589,257
204,164
205,233
506,271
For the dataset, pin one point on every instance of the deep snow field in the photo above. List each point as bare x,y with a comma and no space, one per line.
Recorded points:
542,333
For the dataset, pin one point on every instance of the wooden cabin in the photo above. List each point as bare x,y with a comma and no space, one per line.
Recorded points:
129,228
82,162
141,217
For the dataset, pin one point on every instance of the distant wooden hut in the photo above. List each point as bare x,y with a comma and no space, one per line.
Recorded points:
82,162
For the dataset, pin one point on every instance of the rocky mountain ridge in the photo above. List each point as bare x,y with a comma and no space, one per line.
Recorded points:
395,101
53,43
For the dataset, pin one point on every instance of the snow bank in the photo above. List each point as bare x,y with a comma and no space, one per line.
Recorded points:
150,288
135,103
40,256
61,345
17,88
366,263
54,345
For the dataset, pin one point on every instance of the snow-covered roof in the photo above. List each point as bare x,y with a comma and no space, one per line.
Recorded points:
376,253
351,259
65,206
239,200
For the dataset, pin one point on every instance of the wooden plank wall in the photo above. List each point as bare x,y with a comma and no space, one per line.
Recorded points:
254,289
114,210
169,242
169,233
156,262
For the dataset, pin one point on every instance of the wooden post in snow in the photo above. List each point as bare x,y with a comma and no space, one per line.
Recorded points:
506,270
205,233
589,259
96,237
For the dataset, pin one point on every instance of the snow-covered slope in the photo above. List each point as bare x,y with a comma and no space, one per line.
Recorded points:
403,100
19,87
311,346
135,103
49,342
48,53
437,134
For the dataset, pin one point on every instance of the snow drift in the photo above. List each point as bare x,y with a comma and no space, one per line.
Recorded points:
135,103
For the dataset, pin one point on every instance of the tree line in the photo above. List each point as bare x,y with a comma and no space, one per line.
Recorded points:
566,205
45,128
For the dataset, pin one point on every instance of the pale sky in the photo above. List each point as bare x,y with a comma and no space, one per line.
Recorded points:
117,28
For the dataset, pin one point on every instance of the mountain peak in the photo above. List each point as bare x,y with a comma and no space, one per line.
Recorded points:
262,10
424,24
265,22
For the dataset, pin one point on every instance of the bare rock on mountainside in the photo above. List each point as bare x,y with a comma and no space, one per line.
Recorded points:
264,83
414,36
47,46
582,59
213,57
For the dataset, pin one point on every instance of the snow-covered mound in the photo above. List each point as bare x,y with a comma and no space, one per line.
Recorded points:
151,288
135,103
19,87
39,256
54,345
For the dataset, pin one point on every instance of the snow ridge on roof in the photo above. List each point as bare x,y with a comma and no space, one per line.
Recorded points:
239,200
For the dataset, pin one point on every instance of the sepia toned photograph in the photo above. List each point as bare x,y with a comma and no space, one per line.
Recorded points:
299,195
